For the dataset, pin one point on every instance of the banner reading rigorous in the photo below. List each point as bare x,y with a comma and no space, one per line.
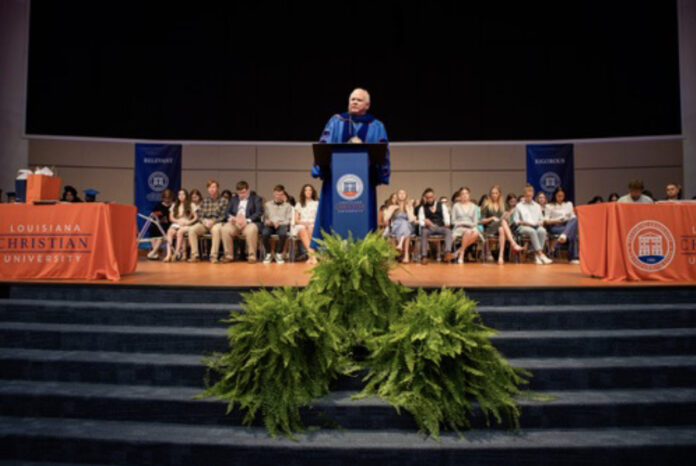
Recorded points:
550,166
157,167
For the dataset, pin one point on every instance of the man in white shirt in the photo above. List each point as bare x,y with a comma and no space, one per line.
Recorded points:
530,223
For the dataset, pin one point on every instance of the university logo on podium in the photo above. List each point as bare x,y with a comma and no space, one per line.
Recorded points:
650,246
349,187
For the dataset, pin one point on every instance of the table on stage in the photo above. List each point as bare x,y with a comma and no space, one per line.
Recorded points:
635,241
78,241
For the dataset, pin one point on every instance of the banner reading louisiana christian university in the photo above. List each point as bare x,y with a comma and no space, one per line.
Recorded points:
157,167
550,166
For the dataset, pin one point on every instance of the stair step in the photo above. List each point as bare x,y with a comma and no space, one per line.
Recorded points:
141,339
188,370
560,343
152,443
606,316
589,316
116,313
583,408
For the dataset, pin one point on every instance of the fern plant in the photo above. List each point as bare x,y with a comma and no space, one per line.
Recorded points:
355,273
283,354
437,359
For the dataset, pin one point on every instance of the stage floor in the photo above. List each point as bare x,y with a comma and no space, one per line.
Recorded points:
471,275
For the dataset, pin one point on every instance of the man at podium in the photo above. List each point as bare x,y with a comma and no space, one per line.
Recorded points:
355,126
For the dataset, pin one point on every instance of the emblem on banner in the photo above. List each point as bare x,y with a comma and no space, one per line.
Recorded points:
650,246
549,181
158,181
349,187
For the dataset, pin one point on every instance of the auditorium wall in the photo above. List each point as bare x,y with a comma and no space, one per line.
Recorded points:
601,166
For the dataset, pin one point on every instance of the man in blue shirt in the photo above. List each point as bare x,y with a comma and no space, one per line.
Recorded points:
354,126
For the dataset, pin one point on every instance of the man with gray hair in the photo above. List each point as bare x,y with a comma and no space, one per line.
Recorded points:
354,126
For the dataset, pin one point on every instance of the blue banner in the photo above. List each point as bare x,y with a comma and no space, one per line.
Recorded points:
157,167
351,199
550,166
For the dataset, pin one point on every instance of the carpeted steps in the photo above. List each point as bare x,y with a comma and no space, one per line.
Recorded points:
87,381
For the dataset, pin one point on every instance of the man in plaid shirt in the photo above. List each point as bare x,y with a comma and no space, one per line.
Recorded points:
212,217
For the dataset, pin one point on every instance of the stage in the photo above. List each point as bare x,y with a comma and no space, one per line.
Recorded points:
434,275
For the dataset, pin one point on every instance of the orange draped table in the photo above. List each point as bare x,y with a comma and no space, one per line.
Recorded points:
81,241
638,241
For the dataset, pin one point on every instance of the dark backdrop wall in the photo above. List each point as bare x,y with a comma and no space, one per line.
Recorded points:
276,71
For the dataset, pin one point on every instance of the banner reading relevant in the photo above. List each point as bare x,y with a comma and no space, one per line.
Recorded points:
550,166
157,167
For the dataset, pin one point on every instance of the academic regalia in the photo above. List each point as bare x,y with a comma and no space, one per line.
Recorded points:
340,129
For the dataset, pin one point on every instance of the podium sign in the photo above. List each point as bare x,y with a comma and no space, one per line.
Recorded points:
350,170
347,203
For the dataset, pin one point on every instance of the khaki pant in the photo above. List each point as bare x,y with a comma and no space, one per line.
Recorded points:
250,234
198,230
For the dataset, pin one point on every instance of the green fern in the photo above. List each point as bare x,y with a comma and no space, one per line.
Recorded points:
283,354
437,359
355,274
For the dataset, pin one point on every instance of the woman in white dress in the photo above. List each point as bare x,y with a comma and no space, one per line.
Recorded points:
181,215
305,214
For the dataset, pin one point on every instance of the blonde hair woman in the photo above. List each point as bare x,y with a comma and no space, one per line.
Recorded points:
494,221
401,217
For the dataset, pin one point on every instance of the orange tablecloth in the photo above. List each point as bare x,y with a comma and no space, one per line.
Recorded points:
638,241
82,240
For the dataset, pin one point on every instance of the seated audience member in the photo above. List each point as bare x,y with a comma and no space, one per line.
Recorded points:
11,197
596,200
401,218
482,200
196,199
542,201
227,194
465,220
530,223
305,215
561,220
161,213
492,218
673,192
70,195
91,195
181,215
244,215
635,193
434,219
277,220
211,217
613,197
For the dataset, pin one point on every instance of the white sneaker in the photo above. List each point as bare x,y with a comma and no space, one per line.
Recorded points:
279,258
153,254
267,259
575,262
546,260
538,261
563,238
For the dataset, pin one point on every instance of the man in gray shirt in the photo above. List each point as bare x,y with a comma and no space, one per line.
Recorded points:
277,220
635,193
